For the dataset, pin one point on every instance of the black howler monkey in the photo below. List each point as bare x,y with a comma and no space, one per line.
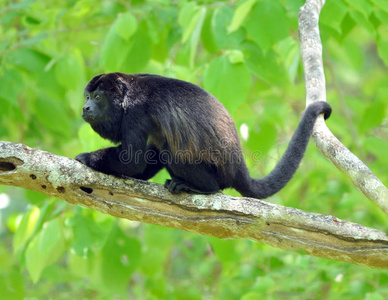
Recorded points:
164,122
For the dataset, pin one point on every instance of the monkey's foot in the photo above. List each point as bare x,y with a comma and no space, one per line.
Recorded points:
176,185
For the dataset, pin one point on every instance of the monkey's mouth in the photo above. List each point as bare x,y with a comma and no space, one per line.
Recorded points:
88,118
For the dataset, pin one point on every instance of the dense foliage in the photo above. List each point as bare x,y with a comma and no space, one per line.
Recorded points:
247,54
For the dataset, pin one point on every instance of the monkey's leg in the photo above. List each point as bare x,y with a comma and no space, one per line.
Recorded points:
154,165
197,178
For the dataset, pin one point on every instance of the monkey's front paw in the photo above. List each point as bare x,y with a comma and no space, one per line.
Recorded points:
83,158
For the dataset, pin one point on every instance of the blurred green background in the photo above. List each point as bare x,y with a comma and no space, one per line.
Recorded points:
247,54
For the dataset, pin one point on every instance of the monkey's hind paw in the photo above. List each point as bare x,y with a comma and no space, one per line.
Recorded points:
175,186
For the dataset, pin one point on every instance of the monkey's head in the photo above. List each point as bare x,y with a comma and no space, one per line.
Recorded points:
104,104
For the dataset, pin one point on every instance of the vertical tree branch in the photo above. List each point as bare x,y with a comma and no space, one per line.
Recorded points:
326,142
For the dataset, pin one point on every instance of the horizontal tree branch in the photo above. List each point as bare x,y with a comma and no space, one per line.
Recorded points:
311,51
216,215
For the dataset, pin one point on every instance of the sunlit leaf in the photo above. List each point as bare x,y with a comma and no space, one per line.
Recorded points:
196,33
69,70
332,14
382,45
139,54
25,229
230,83
114,51
220,22
44,249
50,114
89,234
126,26
90,140
268,23
121,255
373,116
225,250
361,19
207,36
240,14
362,6
235,56
262,137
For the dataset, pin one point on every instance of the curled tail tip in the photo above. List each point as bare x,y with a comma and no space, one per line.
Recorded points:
321,107
326,110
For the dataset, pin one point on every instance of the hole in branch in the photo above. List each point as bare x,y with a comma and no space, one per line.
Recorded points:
9,163
86,189
7,166
61,189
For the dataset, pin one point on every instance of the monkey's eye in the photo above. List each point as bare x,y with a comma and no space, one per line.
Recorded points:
87,97
97,97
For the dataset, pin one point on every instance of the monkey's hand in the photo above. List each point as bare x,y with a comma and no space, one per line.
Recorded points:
83,158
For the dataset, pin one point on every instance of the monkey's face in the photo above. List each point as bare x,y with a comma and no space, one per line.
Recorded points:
104,105
96,108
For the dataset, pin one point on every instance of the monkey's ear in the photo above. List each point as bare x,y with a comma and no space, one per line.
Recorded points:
122,85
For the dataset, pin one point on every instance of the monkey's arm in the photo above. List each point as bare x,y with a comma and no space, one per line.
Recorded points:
127,159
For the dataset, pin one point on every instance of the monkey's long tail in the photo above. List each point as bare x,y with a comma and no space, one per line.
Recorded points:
289,163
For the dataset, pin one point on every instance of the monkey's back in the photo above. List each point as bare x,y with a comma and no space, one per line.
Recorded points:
189,120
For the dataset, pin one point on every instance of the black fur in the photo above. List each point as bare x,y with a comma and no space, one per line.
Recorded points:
163,122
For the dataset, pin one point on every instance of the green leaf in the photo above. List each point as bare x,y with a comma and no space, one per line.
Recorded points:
251,296
11,84
373,116
125,26
364,7
192,18
268,23
266,66
25,229
140,52
333,13
191,25
12,285
30,60
120,256
91,140
224,249
154,258
290,55
378,18
382,44
240,14
262,137
347,25
186,13
198,19
44,249
382,4
114,51
361,19
263,285
220,22
377,147
235,56
90,234
207,34
230,83
69,70
50,236
51,115
375,296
